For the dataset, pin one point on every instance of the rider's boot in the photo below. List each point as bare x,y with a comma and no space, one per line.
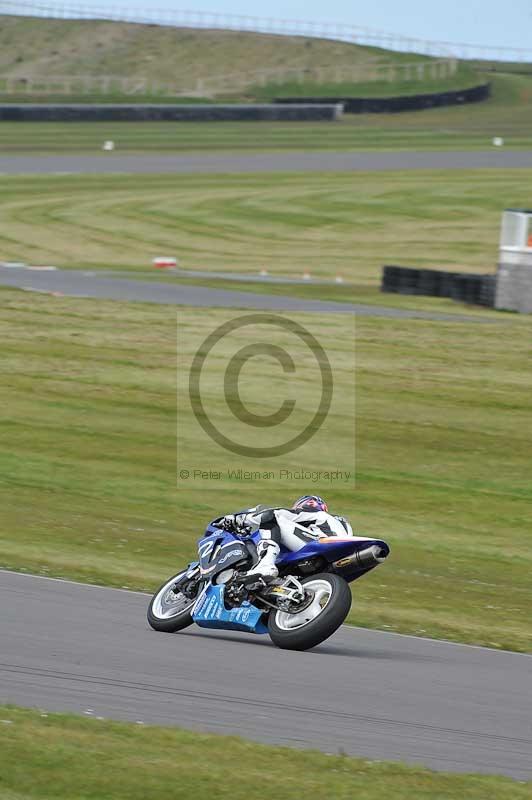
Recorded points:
267,551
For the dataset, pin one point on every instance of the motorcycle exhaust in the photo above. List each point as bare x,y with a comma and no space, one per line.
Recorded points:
370,557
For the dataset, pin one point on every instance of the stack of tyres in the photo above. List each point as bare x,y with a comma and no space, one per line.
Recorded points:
463,287
487,291
409,281
437,283
457,288
428,282
469,289
473,289
390,279
447,284
401,280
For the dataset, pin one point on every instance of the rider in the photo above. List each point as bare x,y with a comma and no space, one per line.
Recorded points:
306,521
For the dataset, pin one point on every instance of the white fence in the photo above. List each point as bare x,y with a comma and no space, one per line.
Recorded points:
237,22
209,86
358,73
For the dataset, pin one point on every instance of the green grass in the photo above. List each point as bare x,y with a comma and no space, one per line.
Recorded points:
88,460
329,224
490,67
508,114
464,78
64,757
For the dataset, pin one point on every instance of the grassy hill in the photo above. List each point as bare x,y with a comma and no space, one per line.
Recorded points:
181,57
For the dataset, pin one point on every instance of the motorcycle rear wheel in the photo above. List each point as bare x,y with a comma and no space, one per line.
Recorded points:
170,611
318,620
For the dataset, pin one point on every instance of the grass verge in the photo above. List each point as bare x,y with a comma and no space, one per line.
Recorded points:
507,114
324,223
463,79
65,757
88,460
338,293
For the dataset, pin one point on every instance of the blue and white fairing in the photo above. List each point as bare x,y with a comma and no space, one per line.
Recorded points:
333,549
337,551
210,612
220,550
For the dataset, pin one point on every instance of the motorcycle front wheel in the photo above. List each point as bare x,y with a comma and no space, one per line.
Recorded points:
327,606
169,610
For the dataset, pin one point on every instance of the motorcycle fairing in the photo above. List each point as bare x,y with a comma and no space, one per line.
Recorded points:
334,549
220,550
210,612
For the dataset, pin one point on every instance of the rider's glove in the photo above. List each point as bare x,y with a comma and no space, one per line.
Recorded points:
242,524
228,522
237,523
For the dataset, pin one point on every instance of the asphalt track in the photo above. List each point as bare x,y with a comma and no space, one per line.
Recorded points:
264,162
72,647
74,283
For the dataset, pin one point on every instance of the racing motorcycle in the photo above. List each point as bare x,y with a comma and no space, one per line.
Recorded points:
300,609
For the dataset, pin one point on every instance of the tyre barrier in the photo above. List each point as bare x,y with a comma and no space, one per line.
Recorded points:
192,112
387,105
463,287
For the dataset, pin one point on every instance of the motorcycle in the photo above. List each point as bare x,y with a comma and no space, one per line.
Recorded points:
300,609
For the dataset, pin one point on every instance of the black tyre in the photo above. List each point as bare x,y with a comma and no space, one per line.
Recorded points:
328,607
169,610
